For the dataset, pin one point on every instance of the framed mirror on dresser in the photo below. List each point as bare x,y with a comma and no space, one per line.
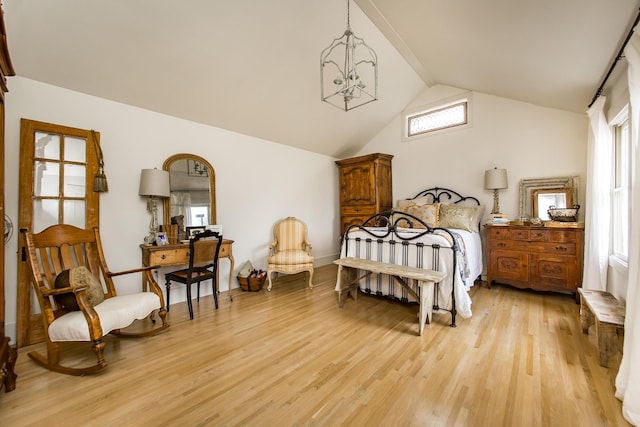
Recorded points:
190,206
193,193
536,195
8,353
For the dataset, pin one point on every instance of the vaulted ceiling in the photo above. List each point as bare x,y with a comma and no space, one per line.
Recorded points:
253,66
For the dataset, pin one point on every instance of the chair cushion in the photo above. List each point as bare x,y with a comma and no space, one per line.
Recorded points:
115,313
77,277
291,256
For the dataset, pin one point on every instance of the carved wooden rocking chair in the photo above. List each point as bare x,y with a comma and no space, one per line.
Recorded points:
77,296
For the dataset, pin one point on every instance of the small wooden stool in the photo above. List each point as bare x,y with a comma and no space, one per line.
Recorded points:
607,313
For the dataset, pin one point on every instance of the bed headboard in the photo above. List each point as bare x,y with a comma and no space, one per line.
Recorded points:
445,195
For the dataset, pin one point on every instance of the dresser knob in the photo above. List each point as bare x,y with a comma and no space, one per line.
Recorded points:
502,244
561,249
163,256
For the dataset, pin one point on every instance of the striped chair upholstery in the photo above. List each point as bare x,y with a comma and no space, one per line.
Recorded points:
290,252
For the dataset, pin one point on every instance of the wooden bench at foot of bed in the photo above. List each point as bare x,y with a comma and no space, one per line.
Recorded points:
347,282
607,313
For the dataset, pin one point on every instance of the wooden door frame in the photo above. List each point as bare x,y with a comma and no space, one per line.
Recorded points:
29,328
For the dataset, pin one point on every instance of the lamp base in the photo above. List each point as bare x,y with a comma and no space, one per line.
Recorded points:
496,203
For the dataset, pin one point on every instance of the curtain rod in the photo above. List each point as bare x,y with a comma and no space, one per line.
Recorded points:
617,58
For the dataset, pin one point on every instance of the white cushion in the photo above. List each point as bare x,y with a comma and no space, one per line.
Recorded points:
114,313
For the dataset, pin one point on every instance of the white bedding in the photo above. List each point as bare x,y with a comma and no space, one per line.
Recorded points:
413,255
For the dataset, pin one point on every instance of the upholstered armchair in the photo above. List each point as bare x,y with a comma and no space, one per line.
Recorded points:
290,252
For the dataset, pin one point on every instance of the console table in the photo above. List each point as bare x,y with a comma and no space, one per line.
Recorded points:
175,254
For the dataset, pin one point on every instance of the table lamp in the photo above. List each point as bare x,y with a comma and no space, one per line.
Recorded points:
154,183
495,179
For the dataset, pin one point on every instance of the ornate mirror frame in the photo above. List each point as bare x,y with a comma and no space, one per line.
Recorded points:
529,187
212,185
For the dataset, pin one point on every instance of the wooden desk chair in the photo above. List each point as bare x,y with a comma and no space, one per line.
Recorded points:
77,296
290,252
204,249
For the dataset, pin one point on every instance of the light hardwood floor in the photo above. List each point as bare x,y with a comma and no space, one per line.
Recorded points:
292,357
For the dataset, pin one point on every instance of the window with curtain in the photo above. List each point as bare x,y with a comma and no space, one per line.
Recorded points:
621,181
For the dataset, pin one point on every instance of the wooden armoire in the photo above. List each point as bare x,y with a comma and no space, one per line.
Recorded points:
365,188
8,353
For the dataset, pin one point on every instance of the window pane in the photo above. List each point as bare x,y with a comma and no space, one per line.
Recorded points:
74,213
45,214
620,223
199,215
47,146
46,179
453,115
75,149
74,181
620,195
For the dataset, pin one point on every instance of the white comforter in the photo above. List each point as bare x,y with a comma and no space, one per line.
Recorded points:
416,256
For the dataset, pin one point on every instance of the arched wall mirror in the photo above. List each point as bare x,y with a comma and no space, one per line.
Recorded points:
536,195
193,191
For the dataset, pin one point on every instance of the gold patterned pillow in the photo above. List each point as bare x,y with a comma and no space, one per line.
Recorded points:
427,213
461,217
76,277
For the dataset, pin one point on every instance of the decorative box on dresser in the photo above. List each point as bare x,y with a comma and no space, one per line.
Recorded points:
539,258
8,353
365,188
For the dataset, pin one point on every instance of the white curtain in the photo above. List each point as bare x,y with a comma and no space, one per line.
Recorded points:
628,379
597,209
180,205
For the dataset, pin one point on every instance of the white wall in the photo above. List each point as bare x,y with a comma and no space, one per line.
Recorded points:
528,140
257,181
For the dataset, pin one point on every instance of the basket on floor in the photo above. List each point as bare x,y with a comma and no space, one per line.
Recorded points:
251,284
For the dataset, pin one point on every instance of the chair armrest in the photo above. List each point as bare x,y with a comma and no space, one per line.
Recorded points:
93,321
134,270
272,247
65,290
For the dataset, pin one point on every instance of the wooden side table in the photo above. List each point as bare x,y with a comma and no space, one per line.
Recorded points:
176,254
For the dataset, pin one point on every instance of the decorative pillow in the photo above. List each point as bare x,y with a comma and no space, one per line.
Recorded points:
77,277
427,213
402,203
461,217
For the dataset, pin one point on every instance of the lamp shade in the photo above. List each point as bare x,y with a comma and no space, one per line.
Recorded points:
154,182
495,179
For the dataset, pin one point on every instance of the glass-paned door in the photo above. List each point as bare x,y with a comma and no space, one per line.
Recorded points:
57,166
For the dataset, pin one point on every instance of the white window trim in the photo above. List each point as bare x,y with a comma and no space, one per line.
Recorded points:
440,104
615,261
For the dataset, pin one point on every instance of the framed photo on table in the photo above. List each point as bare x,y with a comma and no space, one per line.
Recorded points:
161,238
192,231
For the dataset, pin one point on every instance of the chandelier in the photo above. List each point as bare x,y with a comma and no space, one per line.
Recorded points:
348,71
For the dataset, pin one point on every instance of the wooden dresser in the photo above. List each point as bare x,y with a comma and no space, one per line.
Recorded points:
544,259
365,188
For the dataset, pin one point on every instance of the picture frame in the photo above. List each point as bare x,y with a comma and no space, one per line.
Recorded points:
192,231
196,168
162,239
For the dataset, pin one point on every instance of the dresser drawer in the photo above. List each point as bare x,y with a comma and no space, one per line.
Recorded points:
561,248
176,256
358,210
505,233
543,235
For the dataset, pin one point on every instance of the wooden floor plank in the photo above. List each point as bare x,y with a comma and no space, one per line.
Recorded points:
292,357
